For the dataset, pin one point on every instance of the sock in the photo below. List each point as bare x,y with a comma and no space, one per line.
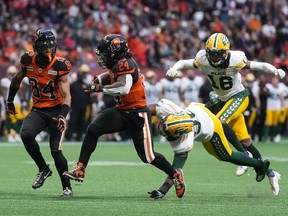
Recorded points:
239,158
166,185
232,138
179,160
254,151
270,173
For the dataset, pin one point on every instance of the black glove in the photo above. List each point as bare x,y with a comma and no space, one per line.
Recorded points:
94,88
61,126
11,108
156,194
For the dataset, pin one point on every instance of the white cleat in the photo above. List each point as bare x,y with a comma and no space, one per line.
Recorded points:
243,169
274,182
67,192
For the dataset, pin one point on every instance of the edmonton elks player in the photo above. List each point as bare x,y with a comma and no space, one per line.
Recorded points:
222,67
131,112
47,75
182,127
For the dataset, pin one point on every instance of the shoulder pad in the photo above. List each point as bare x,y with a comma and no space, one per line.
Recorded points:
26,58
62,65
125,66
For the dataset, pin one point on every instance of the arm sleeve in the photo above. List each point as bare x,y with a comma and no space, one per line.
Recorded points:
122,90
184,64
262,66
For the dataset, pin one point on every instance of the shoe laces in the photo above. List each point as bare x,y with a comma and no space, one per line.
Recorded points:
39,175
76,167
177,180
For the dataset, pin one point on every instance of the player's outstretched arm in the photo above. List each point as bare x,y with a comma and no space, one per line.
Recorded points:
180,65
266,67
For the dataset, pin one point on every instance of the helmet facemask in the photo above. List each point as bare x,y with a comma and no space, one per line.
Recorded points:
216,57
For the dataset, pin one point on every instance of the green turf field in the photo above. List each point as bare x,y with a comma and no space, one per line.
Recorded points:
117,183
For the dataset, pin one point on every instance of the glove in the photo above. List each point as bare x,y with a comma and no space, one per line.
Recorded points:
214,99
156,194
94,88
61,126
11,108
172,72
280,73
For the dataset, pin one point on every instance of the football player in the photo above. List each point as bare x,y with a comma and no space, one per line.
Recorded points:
222,67
123,81
47,75
182,127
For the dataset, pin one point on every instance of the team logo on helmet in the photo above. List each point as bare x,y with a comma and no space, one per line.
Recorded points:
175,125
115,44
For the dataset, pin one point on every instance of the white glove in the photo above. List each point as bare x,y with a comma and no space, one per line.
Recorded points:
172,72
280,73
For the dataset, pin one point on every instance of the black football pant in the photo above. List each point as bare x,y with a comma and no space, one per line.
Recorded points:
36,121
138,122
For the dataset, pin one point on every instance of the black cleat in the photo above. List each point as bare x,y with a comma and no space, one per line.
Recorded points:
41,177
156,194
261,170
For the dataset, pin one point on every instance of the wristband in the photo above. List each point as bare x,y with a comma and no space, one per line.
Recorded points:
64,110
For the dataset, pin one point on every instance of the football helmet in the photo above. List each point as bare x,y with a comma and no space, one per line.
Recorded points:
217,48
44,44
175,125
11,71
111,49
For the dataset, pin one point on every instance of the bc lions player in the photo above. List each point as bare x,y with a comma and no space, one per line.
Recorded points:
131,112
47,76
222,67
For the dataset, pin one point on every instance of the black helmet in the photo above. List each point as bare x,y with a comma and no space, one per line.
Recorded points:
43,40
111,49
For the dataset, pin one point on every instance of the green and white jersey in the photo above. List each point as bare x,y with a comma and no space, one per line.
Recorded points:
226,82
203,128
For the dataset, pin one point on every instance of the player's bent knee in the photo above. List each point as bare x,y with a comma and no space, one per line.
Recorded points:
95,130
27,136
246,142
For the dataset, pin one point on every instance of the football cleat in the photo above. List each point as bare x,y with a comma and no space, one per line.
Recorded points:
243,169
274,178
67,192
156,194
261,170
77,174
179,183
41,177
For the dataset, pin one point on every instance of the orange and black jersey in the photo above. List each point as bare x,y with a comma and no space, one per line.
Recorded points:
136,97
44,81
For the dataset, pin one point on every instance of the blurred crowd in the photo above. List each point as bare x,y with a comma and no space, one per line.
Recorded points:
159,33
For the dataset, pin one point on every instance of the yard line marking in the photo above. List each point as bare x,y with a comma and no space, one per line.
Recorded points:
101,163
